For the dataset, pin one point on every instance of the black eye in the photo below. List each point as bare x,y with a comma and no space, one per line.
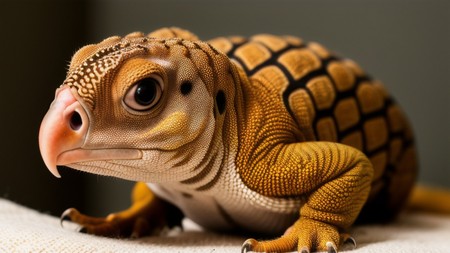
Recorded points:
146,91
144,94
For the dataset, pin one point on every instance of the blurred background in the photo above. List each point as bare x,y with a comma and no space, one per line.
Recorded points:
406,44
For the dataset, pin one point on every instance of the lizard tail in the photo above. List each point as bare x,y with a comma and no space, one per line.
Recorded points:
430,199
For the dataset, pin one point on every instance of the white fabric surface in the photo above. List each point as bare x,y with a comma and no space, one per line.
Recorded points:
25,230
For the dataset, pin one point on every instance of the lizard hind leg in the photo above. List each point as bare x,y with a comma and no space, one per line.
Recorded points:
147,215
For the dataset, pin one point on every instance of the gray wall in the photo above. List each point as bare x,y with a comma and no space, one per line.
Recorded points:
406,44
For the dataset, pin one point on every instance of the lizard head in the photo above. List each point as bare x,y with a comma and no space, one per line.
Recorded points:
138,108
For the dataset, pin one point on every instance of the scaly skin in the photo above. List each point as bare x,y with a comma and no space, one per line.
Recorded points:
263,135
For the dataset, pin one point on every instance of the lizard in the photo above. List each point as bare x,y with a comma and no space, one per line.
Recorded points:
266,135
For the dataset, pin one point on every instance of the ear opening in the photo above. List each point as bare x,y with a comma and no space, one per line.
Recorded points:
221,101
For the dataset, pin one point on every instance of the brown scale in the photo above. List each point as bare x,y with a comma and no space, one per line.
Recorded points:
332,99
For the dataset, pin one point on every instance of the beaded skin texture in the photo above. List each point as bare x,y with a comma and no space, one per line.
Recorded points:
264,135
331,99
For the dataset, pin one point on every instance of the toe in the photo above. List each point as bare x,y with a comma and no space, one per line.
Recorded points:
74,215
248,245
331,247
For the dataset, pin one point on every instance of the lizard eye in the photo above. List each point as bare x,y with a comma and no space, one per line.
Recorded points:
144,94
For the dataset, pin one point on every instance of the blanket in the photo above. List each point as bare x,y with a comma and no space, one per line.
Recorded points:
26,230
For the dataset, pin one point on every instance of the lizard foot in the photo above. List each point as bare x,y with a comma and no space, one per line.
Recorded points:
147,215
114,225
305,235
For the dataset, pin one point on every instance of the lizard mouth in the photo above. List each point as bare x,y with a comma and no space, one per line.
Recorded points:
85,155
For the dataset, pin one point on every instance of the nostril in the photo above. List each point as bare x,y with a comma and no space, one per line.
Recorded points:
75,121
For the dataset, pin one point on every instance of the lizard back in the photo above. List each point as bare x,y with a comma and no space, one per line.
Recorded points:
333,99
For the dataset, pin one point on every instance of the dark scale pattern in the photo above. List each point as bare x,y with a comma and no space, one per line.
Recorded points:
331,99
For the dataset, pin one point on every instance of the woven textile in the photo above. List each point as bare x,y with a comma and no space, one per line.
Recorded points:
26,230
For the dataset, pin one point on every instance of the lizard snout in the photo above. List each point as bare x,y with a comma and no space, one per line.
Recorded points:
63,128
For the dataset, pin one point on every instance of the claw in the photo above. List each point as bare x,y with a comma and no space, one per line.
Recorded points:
304,250
350,240
248,245
331,248
65,216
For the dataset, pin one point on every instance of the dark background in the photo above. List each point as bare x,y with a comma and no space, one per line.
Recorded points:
406,44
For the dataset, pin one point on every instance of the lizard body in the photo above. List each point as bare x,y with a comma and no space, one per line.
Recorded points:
265,134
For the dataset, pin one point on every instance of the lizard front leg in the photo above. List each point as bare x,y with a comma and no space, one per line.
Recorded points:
334,178
147,214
